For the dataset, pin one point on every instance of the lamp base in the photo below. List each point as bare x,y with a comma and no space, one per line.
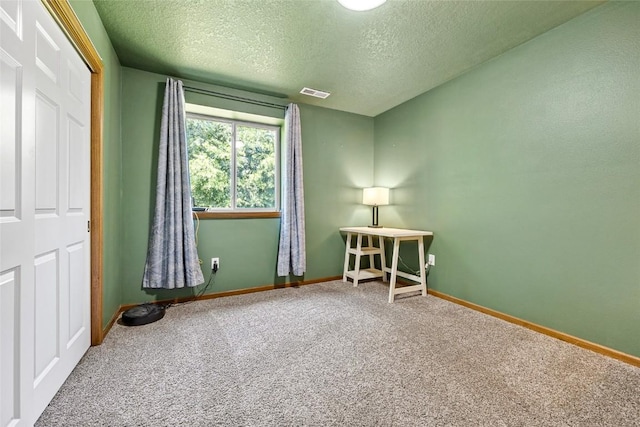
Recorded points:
374,218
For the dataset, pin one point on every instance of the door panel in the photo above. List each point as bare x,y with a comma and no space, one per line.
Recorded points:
44,210
10,350
47,53
77,173
47,131
46,316
11,84
16,216
76,324
62,205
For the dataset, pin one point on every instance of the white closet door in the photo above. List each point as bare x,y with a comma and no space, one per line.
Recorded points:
44,210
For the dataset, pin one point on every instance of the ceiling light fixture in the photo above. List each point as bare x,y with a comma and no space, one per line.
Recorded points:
361,5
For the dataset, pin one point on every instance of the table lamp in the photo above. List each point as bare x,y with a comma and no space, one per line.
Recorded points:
375,196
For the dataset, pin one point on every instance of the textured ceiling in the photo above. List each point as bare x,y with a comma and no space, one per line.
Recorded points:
369,61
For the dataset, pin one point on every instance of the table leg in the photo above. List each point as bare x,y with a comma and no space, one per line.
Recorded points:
383,258
356,267
394,269
423,278
346,257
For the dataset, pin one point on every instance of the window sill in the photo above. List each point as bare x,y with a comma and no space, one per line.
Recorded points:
235,215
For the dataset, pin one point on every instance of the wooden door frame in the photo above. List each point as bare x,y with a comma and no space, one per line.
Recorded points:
69,23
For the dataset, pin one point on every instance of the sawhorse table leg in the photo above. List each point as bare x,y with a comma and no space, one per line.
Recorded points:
422,287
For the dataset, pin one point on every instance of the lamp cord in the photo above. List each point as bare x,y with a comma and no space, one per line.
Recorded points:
195,297
416,272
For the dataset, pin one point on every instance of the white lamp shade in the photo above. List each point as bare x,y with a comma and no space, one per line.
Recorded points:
361,5
375,196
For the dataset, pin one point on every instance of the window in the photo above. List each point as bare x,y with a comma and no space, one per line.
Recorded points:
234,166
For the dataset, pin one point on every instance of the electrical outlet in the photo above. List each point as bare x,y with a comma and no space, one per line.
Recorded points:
432,259
215,262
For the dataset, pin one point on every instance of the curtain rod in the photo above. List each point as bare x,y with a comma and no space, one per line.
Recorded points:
234,97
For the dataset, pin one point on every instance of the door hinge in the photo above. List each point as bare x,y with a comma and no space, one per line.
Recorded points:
88,226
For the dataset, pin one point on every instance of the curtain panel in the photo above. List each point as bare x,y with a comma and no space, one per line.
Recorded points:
172,257
291,250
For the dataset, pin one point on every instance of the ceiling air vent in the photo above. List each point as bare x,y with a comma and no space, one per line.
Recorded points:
314,92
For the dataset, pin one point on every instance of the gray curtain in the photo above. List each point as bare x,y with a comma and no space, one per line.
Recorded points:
292,256
172,259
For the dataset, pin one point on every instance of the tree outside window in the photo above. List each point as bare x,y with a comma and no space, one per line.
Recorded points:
233,165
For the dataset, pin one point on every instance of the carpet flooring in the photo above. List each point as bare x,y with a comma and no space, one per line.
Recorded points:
332,355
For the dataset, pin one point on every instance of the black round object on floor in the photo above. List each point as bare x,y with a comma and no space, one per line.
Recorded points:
142,314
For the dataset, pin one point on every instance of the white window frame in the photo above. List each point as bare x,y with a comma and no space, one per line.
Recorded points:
234,191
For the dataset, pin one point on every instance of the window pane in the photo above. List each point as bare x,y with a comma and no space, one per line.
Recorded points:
209,145
256,168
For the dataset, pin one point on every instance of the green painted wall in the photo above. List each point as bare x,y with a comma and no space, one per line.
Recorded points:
527,169
86,12
338,160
